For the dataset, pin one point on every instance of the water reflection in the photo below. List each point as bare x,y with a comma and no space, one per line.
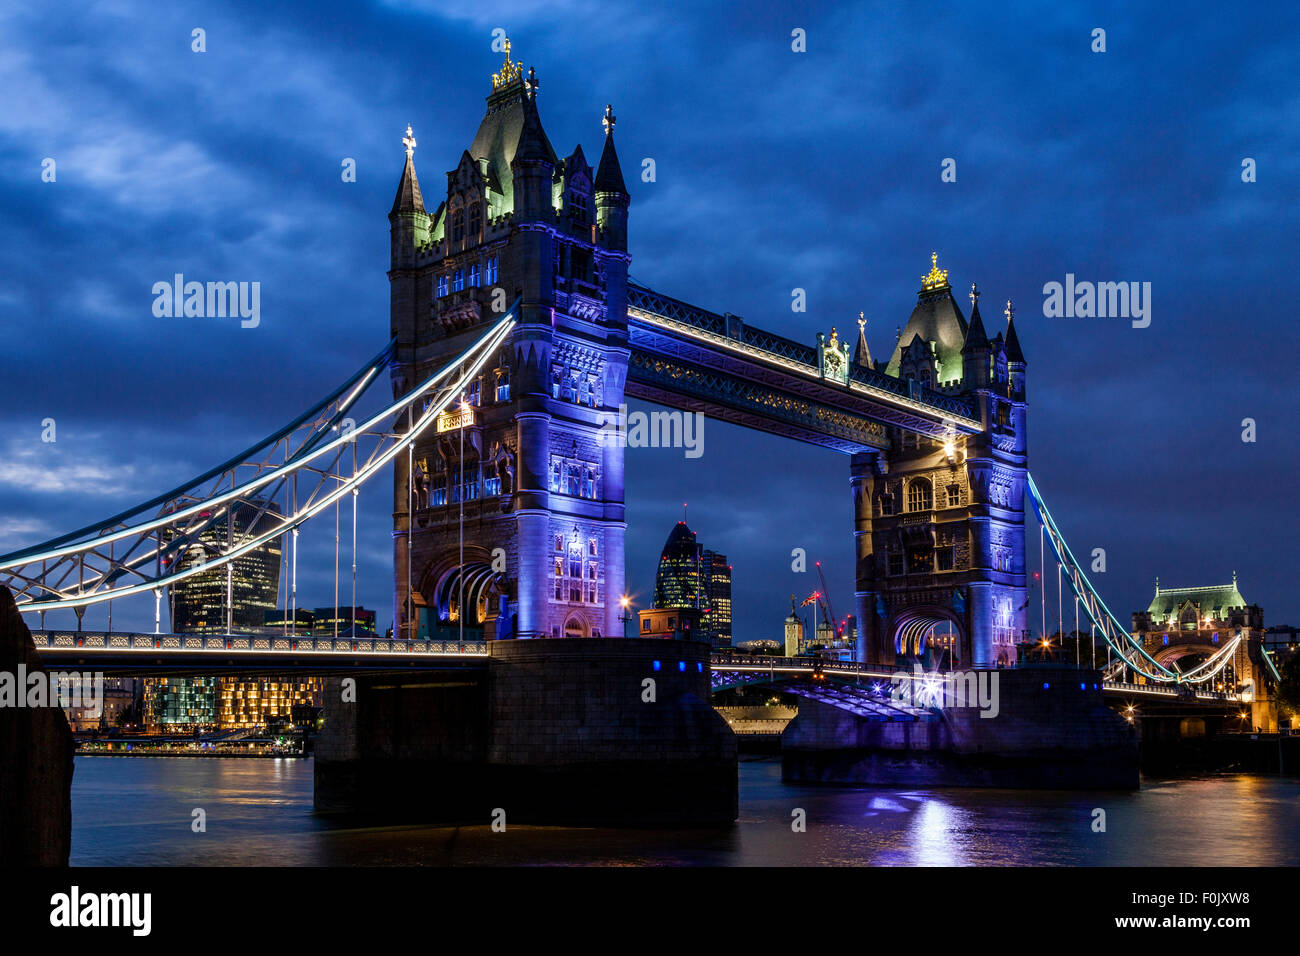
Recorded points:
138,810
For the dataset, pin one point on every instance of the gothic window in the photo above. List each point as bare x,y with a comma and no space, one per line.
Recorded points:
555,382
458,280
1004,416
578,208
442,285
438,497
918,495
458,225
474,391
895,565
584,392
591,547
492,270
569,387
559,542
886,504
475,220
554,485
944,559
491,479
503,384
573,480
475,276
589,484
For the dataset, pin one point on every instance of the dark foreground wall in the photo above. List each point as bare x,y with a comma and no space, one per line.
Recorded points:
1059,736
36,751
555,731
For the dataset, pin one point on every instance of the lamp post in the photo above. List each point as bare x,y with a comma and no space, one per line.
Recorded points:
625,603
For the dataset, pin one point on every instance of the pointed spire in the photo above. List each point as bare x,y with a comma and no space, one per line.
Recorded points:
976,337
1014,353
609,175
862,355
408,198
533,144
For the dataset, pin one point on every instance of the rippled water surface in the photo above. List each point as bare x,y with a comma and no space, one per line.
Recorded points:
137,811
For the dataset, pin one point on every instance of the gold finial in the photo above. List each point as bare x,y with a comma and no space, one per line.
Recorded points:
862,320
1009,311
974,294
509,71
937,278
608,121
531,82
409,141
835,339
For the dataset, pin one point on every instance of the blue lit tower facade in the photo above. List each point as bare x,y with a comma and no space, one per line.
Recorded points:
940,524
542,492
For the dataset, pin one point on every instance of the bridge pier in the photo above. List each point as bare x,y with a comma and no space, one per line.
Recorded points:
1035,728
563,731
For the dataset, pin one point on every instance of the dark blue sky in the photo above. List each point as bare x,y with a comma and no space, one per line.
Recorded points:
775,170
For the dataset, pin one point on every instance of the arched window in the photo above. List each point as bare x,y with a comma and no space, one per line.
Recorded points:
919,495
475,220
458,225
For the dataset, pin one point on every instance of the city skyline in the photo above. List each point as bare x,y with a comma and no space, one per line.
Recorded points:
1135,434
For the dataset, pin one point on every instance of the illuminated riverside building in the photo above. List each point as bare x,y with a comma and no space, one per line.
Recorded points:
249,704
199,603
691,577
180,703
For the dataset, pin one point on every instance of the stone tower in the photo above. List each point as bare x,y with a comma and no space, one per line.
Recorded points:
542,494
940,522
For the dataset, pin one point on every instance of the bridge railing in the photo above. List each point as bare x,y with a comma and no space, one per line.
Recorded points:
93,641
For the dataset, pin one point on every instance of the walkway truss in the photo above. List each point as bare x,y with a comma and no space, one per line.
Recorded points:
315,461
1129,648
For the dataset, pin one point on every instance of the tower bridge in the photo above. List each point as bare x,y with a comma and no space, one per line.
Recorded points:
515,338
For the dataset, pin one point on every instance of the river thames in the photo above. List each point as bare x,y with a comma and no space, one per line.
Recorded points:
138,811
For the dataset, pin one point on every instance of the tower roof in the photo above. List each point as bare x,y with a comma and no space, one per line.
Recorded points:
976,337
511,128
937,318
408,198
1014,354
862,354
1216,597
609,174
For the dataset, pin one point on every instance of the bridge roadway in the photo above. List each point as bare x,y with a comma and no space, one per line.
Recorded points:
767,669
130,652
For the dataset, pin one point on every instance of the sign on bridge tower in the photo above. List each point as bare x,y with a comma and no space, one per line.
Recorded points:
539,550
940,520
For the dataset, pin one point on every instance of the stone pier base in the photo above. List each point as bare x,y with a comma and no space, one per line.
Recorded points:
1052,731
551,731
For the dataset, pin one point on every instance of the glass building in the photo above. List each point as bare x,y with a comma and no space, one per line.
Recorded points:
199,603
690,576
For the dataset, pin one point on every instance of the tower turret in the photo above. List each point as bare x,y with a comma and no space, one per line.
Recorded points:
976,349
408,229
612,197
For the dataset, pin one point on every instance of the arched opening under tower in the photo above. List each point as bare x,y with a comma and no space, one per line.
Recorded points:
474,591
929,637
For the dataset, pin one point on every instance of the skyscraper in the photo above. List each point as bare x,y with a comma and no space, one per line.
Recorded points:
690,576
199,603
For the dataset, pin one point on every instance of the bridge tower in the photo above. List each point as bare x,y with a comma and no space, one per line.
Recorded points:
940,522
542,494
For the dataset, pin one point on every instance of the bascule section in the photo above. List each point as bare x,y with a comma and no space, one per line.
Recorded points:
940,518
509,518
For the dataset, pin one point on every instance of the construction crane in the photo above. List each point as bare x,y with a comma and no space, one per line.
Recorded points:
826,602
